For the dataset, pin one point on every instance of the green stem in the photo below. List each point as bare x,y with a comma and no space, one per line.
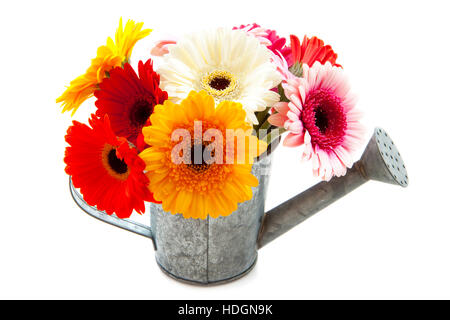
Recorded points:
265,126
261,116
283,97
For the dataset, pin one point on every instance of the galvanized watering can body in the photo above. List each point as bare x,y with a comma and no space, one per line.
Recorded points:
219,250
211,250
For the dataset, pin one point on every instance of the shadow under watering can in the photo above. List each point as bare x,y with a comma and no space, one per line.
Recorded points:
214,251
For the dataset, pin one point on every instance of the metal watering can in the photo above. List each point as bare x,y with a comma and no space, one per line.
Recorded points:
220,250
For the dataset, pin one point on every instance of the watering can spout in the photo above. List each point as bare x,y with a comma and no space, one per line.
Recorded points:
380,161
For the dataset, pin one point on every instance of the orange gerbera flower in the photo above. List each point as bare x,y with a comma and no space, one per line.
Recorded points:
221,178
111,55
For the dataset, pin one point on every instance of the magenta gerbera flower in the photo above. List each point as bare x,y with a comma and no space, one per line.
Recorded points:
321,115
270,39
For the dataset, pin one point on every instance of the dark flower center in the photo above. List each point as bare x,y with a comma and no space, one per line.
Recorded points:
321,120
324,118
118,165
197,165
139,113
219,83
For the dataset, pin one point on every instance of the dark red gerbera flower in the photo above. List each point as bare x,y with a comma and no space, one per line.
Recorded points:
129,100
107,170
312,50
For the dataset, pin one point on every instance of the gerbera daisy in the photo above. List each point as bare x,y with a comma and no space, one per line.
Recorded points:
113,54
282,67
107,170
321,114
271,39
312,50
227,64
198,188
129,100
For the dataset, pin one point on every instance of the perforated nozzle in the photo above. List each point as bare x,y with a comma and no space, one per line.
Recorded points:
381,160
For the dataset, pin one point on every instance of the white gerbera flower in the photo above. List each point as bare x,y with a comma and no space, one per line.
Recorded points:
227,64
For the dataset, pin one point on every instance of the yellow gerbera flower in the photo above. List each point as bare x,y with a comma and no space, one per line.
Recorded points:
113,54
215,184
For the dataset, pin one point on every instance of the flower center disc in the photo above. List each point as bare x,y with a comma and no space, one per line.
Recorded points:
140,112
324,118
199,150
219,83
116,167
321,120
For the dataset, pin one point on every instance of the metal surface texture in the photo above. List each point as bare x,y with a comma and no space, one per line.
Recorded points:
211,251
380,161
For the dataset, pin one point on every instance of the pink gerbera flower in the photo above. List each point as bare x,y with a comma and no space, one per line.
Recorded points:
282,67
270,39
321,115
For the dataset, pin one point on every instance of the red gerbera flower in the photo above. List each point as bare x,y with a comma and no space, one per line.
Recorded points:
312,50
129,100
107,170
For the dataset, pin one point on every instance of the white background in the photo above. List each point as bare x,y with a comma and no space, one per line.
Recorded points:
381,241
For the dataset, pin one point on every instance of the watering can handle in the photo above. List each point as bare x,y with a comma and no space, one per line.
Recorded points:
126,224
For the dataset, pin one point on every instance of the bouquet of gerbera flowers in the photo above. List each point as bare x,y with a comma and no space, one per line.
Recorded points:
186,133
